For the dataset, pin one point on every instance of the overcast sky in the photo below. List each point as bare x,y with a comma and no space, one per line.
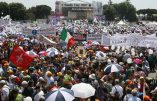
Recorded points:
139,4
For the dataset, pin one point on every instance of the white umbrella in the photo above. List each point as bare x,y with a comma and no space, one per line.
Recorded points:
83,90
51,49
32,53
95,43
100,54
52,53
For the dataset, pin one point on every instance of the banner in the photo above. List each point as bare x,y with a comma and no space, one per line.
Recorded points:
79,37
130,40
148,42
51,30
95,37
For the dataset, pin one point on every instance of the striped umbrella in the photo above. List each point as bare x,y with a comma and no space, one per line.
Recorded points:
32,53
52,53
43,53
51,49
61,94
113,68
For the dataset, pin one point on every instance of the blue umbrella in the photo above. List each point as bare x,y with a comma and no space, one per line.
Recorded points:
61,94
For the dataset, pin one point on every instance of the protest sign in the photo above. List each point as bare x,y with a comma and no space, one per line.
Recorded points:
130,40
95,37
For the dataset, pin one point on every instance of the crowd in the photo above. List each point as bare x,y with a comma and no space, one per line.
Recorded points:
131,83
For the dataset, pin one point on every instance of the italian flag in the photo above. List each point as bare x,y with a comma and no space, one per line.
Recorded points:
65,36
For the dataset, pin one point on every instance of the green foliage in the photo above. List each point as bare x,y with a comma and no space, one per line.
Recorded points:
110,12
42,11
4,9
17,11
124,10
149,14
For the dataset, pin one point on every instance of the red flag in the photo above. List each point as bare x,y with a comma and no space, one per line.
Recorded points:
20,58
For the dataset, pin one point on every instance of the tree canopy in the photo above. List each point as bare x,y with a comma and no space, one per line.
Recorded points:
124,10
4,9
18,11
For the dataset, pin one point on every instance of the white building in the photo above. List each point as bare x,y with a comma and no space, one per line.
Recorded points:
78,9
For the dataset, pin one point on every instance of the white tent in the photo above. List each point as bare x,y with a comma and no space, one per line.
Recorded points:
121,23
7,17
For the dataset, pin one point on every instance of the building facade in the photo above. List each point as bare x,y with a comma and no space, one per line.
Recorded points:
77,9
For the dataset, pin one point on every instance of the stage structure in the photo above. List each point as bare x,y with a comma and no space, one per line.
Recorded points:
78,9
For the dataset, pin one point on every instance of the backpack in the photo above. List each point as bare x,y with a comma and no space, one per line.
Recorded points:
116,94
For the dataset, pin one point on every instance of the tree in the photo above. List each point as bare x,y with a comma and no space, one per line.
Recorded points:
109,11
127,11
124,10
149,12
17,11
42,11
30,13
4,9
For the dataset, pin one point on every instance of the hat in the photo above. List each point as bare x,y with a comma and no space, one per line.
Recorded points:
76,58
24,83
59,74
49,73
129,82
41,79
134,92
146,98
2,82
121,63
12,76
129,61
92,76
10,71
141,78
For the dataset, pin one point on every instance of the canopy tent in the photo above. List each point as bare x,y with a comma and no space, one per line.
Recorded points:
121,23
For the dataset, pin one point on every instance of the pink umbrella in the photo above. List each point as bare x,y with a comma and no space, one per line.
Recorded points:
43,53
138,61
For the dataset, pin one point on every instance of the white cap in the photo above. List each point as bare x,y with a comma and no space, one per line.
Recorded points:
24,83
2,82
12,76
41,79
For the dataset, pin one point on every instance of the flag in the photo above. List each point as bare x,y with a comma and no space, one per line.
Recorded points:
65,36
20,58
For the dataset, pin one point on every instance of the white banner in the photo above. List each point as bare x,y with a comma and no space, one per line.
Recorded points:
130,40
95,37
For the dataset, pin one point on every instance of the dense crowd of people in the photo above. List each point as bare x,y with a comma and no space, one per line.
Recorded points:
70,67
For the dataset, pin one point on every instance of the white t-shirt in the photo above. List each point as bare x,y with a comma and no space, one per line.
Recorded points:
38,96
134,98
4,92
126,97
117,88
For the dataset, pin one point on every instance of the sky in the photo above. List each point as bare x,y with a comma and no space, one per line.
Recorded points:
139,4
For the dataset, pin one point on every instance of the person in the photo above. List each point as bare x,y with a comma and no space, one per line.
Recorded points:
27,91
15,96
4,91
117,90
39,94
134,96
128,94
